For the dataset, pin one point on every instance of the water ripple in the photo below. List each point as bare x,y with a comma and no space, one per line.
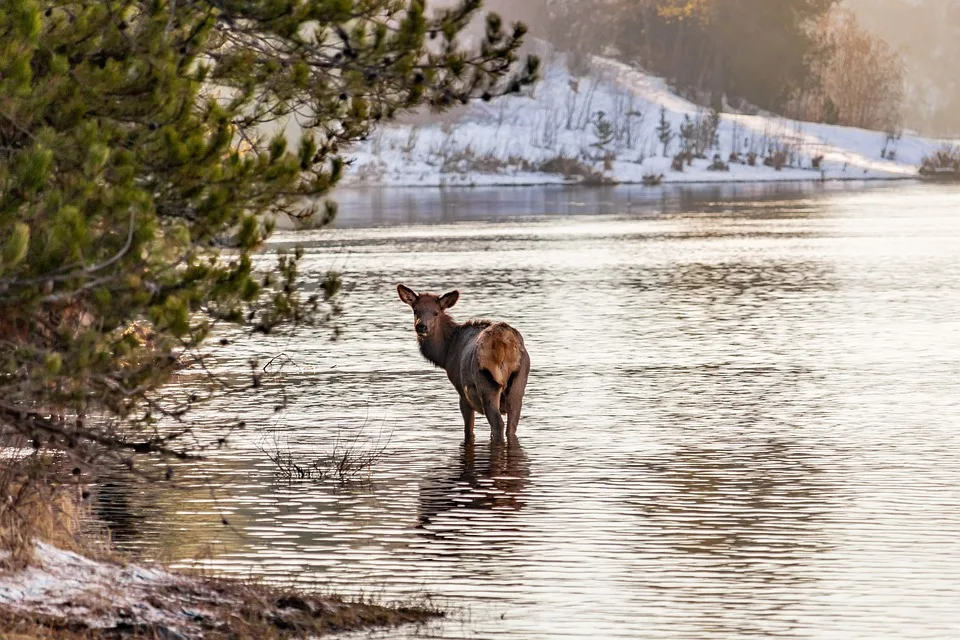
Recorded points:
742,422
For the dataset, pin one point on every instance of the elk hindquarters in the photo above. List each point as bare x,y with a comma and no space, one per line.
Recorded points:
499,349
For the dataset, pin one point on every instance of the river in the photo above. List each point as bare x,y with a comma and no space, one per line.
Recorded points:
743,419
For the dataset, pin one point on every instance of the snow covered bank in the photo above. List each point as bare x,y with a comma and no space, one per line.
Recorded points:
557,135
66,589
63,583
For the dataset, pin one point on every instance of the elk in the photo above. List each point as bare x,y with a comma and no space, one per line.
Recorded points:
487,362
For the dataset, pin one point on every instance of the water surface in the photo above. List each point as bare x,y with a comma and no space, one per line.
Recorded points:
742,422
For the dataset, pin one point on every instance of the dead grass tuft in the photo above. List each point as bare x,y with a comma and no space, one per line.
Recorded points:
347,461
944,164
267,612
36,503
574,171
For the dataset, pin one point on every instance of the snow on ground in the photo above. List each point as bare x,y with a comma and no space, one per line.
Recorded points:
65,588
508,141
64,584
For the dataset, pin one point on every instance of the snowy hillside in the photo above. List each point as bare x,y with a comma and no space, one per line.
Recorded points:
558,135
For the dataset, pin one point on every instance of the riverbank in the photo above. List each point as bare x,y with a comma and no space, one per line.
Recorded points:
604,126
536,180
62,594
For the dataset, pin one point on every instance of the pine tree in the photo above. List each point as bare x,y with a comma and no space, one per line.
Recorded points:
714,129
603,130
665,132
831,115
138,178
688,135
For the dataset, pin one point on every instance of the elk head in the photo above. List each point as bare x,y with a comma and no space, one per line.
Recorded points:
429,310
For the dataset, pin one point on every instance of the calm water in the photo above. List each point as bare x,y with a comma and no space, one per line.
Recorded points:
743,421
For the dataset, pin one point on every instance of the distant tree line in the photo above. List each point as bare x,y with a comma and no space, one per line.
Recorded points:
928,34
804,58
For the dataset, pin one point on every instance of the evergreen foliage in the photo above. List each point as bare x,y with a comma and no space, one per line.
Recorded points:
603,130
688,135
139,177
665,132
713,129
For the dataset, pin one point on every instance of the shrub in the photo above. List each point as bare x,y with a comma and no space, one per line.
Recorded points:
572,170
603,131
347,460
40,501
699,134
718,164
777,159
944,163
665,132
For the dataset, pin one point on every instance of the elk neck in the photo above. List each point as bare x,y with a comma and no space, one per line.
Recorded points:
436,346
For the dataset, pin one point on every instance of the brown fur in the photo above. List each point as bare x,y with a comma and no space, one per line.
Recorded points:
498,350
486,362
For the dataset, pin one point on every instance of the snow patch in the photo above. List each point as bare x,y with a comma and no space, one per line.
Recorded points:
102,595
510,140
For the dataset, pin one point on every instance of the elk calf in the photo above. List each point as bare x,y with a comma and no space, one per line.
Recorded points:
486,362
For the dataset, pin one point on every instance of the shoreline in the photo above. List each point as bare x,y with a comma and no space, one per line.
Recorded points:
548,136
63,594
384,204
631,183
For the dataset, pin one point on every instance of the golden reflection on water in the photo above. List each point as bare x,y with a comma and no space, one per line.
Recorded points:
742,422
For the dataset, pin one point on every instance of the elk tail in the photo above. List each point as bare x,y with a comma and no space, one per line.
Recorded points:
499,350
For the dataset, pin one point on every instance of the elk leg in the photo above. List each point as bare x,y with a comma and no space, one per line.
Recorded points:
491,409
468,417
515,391
513,415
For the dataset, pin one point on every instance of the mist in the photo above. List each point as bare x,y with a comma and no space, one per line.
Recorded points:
927,34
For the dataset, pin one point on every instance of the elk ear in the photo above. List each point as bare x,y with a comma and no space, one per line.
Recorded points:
407,294
447,300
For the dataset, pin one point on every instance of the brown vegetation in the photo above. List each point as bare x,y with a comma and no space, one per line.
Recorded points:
574,171
347,460
751,49
231,609
943,164
858,79
35,504
42,501
652,179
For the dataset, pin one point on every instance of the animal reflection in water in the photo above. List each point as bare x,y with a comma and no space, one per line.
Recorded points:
472,496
